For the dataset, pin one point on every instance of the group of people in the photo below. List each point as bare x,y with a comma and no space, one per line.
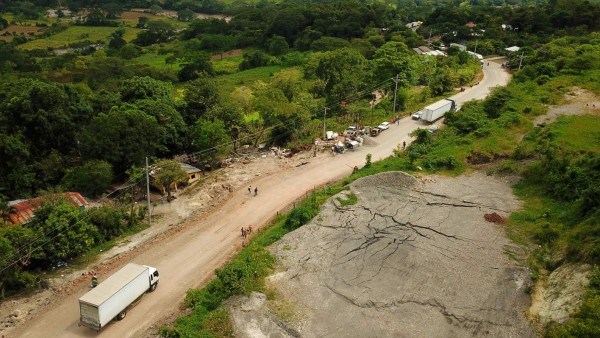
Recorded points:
246,232
255,190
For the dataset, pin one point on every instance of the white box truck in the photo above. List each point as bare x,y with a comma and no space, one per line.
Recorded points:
436,110
111,298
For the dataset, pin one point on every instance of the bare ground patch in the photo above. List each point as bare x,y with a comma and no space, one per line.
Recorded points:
578,101
413,258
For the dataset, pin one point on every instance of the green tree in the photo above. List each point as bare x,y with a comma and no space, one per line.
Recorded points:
171,122
113,10
255,58
158,31
123,137
95,18
217,43
116,40
200,95
63,229
211,138
130,51
142,22
395,59
194,66
342,71
328,43
167,173
91,179
278,46
141,88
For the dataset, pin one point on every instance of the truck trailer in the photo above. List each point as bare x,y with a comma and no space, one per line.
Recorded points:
111,298
436,110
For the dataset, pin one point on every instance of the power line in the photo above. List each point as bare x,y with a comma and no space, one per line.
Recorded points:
133,181
41,236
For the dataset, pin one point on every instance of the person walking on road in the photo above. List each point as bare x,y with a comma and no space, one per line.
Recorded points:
255,191
94,281
250,189
403,145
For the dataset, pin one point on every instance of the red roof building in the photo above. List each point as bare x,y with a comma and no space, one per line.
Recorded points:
23,211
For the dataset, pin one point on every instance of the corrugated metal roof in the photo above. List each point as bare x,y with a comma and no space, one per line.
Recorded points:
24,210
189,168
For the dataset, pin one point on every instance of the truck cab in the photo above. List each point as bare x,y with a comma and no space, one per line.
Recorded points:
154,277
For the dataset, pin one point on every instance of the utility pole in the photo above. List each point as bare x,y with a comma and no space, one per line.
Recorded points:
521,61
325,124
395,92
372,108
148,191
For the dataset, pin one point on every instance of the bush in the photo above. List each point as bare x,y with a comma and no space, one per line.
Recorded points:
546,234
90,179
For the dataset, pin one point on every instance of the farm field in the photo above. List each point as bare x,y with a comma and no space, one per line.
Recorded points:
8,33
75,34
157,61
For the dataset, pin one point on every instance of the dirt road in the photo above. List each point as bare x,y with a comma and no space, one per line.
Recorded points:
187,258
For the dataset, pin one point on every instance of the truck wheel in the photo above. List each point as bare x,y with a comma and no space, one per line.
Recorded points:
153,286
121,315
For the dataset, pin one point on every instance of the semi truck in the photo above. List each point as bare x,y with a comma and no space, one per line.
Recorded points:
112,297
436,110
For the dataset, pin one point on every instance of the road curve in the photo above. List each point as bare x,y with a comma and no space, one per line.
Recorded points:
190,256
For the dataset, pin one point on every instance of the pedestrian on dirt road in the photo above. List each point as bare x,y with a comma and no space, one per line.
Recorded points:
250,189
243,233
403,145
255,191
94,281
249,229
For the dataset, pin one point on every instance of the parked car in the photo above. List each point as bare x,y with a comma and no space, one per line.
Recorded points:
417,115
375,131
384,125
351,131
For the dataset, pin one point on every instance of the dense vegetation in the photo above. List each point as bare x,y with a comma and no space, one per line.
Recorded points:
85,98
559,164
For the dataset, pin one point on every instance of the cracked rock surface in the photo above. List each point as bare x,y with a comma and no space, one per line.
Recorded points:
410,259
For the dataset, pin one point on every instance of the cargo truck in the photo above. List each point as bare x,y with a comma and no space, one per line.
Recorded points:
436,110
112,297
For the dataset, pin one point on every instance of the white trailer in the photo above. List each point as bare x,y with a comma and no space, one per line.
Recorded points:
111,298
436,110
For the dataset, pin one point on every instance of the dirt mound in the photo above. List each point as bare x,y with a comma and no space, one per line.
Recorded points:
494,218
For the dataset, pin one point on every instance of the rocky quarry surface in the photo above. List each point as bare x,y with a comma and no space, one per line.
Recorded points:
412,258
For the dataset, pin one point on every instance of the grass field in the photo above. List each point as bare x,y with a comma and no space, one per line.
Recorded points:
157,61
227,65
228,82
77,34
577,133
